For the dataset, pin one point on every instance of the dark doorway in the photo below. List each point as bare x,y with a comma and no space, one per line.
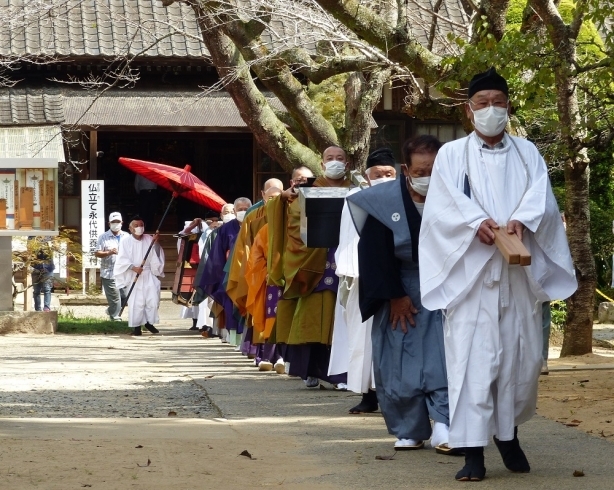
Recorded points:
223,162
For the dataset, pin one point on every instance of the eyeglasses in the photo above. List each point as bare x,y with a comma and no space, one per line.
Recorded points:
483,104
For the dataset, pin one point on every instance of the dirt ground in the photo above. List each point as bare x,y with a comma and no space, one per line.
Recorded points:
94,412
579,391
583,399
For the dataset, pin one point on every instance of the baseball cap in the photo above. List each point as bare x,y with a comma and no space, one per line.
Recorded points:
115,216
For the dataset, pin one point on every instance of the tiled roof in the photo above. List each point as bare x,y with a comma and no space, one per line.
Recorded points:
29,107
99,28
140,109
105,28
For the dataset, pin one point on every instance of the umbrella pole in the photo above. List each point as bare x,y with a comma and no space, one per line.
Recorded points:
125,303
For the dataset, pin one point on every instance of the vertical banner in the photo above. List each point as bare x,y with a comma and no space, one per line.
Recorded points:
92,220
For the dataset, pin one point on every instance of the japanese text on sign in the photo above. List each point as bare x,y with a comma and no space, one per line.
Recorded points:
92,220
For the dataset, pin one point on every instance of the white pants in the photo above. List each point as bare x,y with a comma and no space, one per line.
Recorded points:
493,341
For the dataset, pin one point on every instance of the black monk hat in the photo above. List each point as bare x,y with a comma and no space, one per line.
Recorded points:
381,156
489,80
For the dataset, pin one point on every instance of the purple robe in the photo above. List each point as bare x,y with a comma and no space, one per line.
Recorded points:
212,280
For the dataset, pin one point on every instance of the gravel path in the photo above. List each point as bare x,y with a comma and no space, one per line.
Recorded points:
71,376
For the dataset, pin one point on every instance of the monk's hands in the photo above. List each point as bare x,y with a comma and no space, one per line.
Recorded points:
515,227
156,237
402,312
138,270
485,233
289,194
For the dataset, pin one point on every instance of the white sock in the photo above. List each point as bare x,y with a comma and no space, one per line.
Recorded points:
440,434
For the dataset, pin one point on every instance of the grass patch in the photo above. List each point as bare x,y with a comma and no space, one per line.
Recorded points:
68,323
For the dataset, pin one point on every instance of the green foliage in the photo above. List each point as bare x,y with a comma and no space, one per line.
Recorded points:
558,309
70,324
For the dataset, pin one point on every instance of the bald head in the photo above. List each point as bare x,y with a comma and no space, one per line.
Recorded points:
334,153
300,175
272,183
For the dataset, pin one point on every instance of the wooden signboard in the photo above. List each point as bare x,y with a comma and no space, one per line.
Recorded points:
512,249
2,214
26,208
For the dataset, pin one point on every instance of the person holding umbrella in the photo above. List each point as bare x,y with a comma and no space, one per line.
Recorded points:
129,266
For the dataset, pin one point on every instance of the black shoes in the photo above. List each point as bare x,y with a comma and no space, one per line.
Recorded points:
151,328
368,404
136,331
474,469
513,455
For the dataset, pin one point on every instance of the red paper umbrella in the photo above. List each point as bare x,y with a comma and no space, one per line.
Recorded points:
178,180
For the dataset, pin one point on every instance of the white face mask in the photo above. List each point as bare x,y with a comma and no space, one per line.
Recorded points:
115,227
490,121
381,180
139,230
228,217
240,216
334,169
419,184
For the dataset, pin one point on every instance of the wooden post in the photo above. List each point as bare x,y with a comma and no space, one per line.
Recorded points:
28,299
6,274
93,155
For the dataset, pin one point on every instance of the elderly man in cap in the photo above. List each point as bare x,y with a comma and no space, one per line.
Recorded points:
484,182
106,249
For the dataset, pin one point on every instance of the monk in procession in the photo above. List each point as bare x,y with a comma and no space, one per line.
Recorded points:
486,182
408,351
351,348
236,285
305,311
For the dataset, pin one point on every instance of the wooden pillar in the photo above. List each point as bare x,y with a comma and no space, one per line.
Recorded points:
93,155
6,274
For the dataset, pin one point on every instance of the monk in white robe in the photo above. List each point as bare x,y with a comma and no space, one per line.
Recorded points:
492,332
351,350
145,298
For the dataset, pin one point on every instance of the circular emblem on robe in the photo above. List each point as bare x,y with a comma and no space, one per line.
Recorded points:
328,281
396,217
268,310
275,310
270,297
327,265
279,293
334,266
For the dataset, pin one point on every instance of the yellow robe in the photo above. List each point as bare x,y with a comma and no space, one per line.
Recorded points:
302,315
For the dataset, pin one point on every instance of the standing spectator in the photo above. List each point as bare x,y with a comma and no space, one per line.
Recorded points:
106,249
42,277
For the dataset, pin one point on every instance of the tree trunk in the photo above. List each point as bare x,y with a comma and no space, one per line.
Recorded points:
578,336
362,95
270,133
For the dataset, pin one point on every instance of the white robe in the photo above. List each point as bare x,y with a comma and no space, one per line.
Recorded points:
192,311
145,298
492,332
351,349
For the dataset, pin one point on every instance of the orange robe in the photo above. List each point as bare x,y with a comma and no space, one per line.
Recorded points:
256,279
236,287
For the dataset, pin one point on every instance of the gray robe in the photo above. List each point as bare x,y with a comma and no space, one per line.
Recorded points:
409,368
